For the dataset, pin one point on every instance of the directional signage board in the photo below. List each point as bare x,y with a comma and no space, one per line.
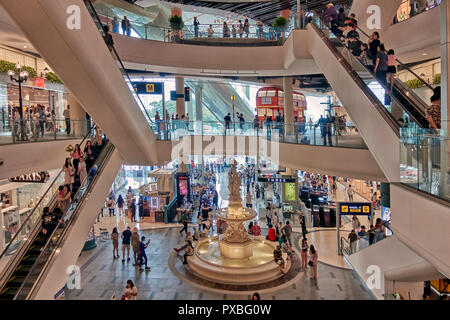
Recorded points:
148,87
355,208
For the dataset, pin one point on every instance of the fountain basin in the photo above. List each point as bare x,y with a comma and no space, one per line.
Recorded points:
208,263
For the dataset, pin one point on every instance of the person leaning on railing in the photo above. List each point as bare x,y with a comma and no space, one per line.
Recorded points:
434,111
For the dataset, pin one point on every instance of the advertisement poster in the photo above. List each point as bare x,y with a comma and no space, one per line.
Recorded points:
289,191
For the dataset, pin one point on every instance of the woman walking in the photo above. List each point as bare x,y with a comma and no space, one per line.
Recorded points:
313,260
115,241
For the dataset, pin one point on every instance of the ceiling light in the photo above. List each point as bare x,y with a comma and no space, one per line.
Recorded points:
25,47
424,54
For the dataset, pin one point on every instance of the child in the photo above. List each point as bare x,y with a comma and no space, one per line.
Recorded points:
392,67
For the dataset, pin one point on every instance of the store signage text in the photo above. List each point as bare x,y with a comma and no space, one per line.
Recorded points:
39,177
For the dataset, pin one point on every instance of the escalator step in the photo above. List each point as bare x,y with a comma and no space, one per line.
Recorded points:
15,281
8,293
29,260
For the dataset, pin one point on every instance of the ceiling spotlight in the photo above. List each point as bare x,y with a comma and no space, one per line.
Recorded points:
25,47
424,54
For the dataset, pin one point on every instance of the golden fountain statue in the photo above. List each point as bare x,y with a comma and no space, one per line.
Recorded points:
235,243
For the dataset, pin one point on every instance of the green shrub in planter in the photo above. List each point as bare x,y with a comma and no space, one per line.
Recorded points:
176,22
437,79
280,23
414,84
31,71
5,66
53,78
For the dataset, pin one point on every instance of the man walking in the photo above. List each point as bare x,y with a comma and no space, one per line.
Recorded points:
66,115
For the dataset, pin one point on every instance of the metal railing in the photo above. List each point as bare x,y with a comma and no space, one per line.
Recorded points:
330,134
349,248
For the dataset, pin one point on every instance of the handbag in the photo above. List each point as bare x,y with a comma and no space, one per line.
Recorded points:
123,297
310,263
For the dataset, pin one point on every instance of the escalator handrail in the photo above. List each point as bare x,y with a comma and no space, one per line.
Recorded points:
402,64
108,148
88,3
360,83
39,202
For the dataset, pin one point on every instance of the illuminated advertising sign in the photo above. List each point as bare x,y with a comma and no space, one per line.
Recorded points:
289,189
39,177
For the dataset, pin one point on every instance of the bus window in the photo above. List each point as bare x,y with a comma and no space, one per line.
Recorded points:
262,112
262,93
280,93
271,93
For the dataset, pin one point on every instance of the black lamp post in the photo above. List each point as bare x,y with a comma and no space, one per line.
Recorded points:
20,77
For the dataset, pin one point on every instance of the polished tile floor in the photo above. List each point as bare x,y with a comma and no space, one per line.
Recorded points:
102,277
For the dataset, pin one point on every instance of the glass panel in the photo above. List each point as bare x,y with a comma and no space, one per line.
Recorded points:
262,93
271,93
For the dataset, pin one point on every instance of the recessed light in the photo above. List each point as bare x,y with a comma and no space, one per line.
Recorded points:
424,54
25,47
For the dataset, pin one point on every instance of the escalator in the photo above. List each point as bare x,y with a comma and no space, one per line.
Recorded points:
33,255
363,97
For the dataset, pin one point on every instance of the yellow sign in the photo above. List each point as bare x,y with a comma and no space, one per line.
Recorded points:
366,209
150,87
344,209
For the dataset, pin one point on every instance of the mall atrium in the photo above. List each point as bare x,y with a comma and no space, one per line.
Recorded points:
238,150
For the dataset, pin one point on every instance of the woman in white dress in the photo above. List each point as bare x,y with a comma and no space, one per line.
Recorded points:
130,291
69,173
82,172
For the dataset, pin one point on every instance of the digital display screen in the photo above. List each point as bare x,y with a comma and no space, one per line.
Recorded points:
183,187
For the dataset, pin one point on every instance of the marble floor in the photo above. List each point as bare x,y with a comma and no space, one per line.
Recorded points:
102,277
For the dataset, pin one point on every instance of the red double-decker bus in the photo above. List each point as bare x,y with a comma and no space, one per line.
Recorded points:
270,102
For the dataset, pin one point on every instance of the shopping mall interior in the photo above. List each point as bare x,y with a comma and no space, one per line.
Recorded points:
236,150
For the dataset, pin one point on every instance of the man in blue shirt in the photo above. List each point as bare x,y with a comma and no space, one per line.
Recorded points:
142,255
126,240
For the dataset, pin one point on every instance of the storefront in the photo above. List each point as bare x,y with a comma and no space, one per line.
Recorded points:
17,200
53,97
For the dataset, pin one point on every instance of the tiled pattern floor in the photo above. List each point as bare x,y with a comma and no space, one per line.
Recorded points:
102,276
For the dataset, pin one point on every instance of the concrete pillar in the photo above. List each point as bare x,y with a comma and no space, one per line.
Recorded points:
288,104
77,117
445,93
198,104
179,87
190,109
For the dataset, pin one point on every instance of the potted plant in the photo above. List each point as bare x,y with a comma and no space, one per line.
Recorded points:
176,24
280,24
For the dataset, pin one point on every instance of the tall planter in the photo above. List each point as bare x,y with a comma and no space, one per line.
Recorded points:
279,25
176,24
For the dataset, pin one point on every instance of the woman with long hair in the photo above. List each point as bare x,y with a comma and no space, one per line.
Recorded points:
120,203
89,154
115,241
76,154
313,260
130,291
69,173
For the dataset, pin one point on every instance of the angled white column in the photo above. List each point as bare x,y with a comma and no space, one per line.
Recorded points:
179,87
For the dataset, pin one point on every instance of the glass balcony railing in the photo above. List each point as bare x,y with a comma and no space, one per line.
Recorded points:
424,160
141,27
365,240
343,136
42,130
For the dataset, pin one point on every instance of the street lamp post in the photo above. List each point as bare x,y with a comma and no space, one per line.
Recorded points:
234,123
22,76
